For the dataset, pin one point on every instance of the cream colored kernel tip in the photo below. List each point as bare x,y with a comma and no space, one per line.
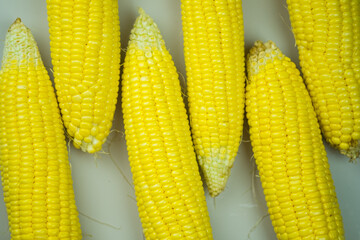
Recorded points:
145,33
20,45
260,54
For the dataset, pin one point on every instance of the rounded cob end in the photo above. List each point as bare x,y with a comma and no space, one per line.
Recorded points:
260,54
353,152
218,186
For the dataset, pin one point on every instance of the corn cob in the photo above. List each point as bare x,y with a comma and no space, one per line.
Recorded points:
85,52
168,186
328,40
288,149
34,165
215,71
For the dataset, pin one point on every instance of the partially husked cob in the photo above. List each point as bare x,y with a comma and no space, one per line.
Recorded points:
215,72
327,35
85,52
35,171
168,186
288,149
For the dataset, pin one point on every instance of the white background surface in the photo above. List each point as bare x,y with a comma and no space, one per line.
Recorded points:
103,185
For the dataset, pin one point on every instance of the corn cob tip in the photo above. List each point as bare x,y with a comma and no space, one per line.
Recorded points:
353,152
260,54
216,184
216,171
145,33
259,47
17,21
141,11
19,26
20,42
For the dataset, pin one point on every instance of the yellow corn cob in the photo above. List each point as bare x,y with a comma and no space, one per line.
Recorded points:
214,58
327,34
85,52
168,187
34,165
288,149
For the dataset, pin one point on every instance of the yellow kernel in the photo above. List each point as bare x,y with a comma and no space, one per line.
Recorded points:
78,136
75,115
76,98
335,140
344,146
